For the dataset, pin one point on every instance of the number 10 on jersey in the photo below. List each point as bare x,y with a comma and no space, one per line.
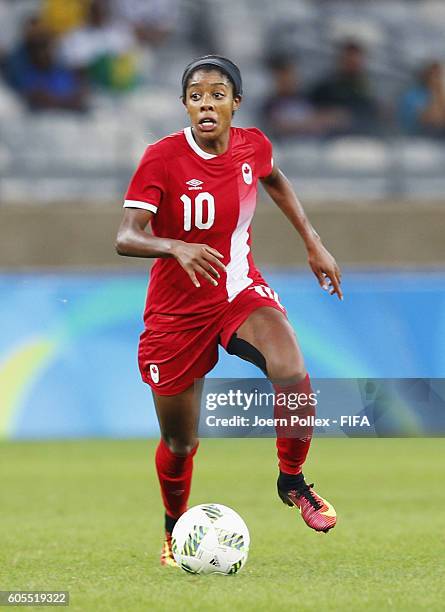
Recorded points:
194,211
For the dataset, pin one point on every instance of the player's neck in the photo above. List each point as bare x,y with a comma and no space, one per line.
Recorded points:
218,146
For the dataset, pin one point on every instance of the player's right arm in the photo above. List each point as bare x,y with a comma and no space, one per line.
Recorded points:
133,240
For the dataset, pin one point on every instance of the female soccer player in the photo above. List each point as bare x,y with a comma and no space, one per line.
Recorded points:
197,189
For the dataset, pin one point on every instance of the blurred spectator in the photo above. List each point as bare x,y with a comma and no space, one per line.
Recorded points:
153,21
13,13
60,17
33,71
3,40
288,112
103,48
347,89
422,108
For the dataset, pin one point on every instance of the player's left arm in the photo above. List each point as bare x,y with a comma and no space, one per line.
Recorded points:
320,260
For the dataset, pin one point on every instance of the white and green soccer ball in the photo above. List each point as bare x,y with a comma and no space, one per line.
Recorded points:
210,539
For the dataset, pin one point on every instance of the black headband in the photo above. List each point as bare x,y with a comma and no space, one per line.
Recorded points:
221,63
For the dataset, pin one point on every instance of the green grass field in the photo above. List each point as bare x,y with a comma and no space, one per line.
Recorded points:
86,517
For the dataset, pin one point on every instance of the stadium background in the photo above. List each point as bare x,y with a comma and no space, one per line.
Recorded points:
84,514
70,308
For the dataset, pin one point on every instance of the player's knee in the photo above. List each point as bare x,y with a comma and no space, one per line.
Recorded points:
281,369
181,446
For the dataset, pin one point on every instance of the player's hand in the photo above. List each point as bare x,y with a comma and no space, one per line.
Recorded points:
199,259
325,268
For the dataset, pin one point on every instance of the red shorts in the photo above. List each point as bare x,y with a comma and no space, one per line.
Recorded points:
171,360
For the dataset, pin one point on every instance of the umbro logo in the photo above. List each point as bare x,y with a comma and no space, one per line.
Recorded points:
194,184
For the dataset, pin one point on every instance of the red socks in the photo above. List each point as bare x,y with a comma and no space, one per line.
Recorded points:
175,478
292,452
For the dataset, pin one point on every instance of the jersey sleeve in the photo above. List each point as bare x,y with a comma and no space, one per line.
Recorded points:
148,184
264,155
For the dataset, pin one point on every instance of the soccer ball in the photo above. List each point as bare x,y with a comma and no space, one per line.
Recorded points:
210,539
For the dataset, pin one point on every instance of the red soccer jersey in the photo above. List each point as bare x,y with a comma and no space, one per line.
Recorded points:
201,198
